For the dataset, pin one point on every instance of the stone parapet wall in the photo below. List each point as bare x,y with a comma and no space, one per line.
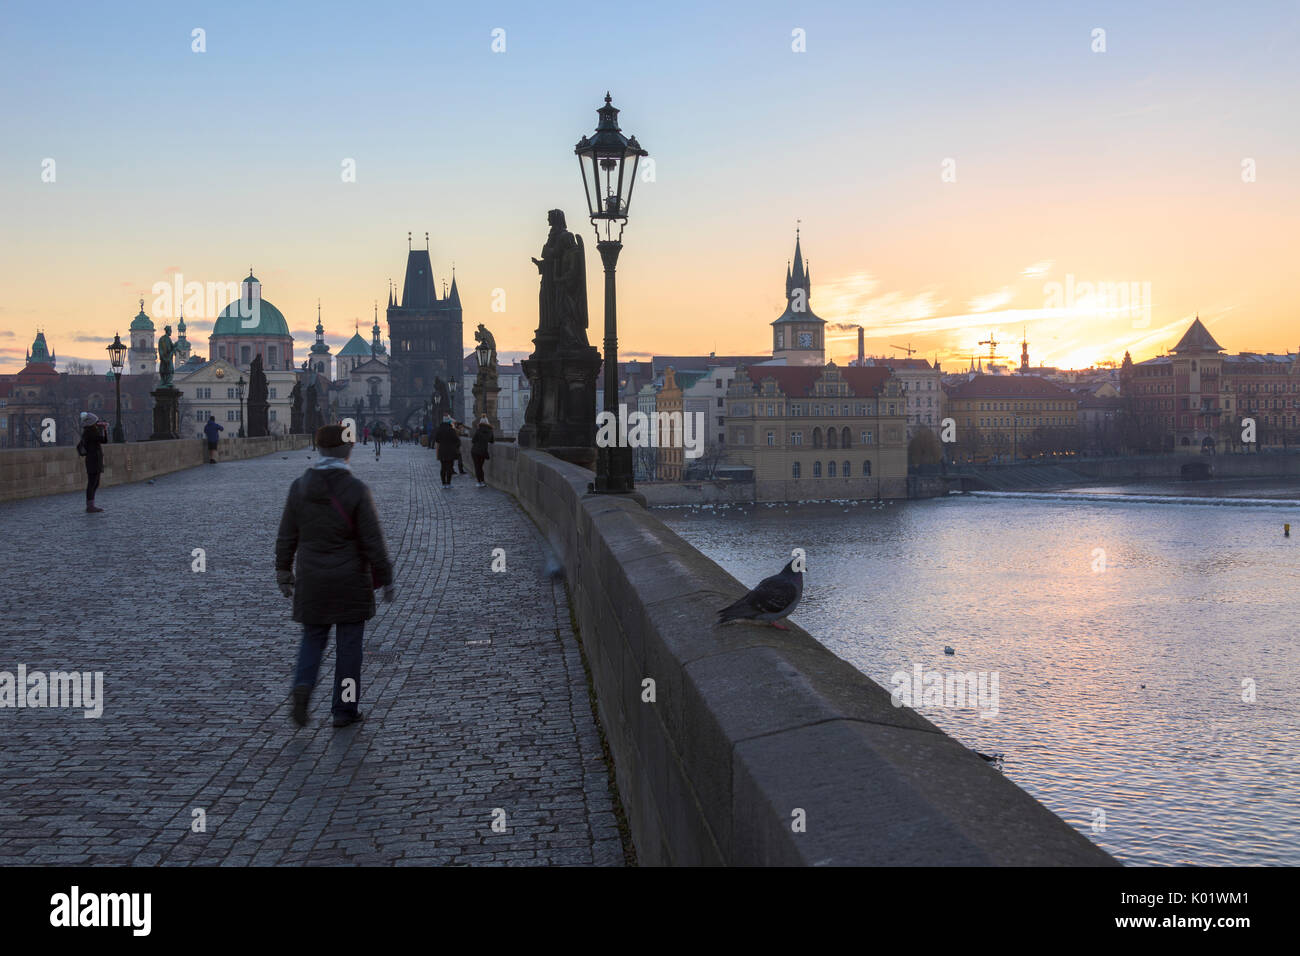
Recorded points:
751,728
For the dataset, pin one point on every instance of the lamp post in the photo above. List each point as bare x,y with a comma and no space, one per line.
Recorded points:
239,390
116,355
451,393
607,180
484,355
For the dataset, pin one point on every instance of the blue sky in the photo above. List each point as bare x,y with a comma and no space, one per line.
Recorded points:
1118,165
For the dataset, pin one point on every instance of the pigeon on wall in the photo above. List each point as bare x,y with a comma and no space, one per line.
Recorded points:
774,599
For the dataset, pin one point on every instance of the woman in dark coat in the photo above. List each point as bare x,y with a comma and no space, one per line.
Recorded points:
478,449
94,434
331,526
448,443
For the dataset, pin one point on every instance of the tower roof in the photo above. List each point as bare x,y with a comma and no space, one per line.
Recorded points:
798,291
1197,338
142,322
418,291
355,346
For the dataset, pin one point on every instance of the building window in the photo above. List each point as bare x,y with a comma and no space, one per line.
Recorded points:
771,439
817,469
830,469
794,470
272,357
817,438
270,393
848,471
245,354
796,438
832,438
845,438
866,469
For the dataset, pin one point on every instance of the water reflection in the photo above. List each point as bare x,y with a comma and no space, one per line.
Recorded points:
1121,688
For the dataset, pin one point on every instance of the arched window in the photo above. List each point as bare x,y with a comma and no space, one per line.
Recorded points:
848,470
845,439
866,469
817,438
794,470
832,437
817,469
830,467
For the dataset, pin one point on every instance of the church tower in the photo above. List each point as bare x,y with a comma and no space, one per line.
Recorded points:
320,351
142,358
798,335
183,347
1024,353
426,337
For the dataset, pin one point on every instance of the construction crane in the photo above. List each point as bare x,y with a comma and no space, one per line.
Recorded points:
992,343
908,349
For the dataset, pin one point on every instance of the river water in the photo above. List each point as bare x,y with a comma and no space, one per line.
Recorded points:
1129,627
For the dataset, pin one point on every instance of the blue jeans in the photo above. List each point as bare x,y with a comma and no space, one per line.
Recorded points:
347,664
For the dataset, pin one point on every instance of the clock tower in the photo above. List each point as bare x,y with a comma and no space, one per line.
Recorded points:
799,335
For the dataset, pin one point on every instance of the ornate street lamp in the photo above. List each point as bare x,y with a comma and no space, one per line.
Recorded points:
607,179
484,355
451,393
116,356
239,390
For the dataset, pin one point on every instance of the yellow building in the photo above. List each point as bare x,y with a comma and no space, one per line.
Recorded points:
668,406
818,432
1012,416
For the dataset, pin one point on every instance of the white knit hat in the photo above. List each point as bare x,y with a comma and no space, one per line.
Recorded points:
88,418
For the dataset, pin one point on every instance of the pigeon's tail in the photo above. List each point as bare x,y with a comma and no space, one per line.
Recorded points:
733,613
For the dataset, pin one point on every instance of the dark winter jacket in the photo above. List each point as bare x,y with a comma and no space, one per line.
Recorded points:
482,438
336,554
448,442
213,431
92,440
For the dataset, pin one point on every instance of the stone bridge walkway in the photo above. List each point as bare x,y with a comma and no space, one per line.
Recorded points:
459,733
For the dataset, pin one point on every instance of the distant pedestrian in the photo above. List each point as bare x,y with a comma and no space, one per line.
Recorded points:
365,435
331,526
94,434
448,444
479,449
213,432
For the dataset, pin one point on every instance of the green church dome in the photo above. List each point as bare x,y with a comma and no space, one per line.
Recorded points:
356,346
270,320
142,322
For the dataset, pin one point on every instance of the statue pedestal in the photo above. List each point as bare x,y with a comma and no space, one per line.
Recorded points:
561,414
258,420
166,414
486,392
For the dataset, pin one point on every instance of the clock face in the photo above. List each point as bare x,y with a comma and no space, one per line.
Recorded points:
805,340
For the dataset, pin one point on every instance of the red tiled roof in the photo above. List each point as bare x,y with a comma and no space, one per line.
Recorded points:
798,380
1008,386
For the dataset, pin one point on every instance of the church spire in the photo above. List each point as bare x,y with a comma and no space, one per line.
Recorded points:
796,276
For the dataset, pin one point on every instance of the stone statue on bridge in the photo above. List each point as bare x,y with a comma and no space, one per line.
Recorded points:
561,413
295,411
166,358
258,404
562,300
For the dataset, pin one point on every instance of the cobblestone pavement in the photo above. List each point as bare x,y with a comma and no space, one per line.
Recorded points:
196,678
